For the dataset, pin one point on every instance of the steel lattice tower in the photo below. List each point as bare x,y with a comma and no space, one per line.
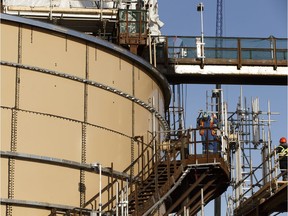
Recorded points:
219,30
219,19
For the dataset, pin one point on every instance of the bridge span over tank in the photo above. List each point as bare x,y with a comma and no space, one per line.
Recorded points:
227,60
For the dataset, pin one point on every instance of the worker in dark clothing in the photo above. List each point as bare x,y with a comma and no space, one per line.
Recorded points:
206,125
282,151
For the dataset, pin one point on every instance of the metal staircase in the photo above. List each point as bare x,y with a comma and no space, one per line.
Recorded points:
178,184
167,182
156,185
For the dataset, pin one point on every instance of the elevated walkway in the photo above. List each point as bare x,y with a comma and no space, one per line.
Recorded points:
261,61
272,197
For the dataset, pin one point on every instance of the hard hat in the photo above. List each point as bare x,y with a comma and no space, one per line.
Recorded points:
282,140
205,115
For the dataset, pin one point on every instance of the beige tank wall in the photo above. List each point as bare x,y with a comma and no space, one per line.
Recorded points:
52,112
8,74
56,51
9,42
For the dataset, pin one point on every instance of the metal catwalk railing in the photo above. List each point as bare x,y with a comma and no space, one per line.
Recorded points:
248,197
233,51
125,197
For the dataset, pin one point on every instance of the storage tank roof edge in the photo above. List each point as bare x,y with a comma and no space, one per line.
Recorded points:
105,44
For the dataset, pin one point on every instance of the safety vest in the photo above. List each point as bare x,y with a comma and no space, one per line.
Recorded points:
283,152
202,124
212,122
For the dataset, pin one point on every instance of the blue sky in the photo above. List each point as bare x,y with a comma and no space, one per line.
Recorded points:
245,18
241,18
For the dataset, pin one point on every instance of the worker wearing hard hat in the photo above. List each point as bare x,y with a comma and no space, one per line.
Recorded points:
282,151
207,125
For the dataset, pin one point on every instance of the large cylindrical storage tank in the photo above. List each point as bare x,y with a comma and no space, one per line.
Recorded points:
70,102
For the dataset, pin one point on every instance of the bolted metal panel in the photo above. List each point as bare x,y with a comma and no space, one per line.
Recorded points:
68,97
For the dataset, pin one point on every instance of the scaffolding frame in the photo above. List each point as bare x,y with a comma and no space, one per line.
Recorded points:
250,132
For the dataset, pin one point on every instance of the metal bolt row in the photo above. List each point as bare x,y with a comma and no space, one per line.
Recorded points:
93,83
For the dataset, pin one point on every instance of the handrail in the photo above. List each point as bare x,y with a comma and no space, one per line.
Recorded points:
125,171
140,174
172,158
155,160
240,51
271,173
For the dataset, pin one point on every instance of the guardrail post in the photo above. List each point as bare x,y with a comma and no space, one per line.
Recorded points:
274,53
165,51
239,54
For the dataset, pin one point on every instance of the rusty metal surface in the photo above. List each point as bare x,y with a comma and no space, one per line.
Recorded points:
209,172
265,202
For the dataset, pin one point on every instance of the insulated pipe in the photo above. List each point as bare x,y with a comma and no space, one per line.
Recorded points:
202,202
50,10
101,12
91,11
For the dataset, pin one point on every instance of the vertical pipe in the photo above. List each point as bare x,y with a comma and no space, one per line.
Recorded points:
207,103
166,53
195,143
173,107
269,146
100,189
150,49
264,155
202,202
239,65
50,15
217,201
276,164
117,198
272,47
179,107
238,172
122,210
202,32
143,157
153,129
154,50
101,13
136,199
112,187
127,207
274,55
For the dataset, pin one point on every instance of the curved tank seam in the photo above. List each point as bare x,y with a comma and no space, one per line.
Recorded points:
121,51
92,83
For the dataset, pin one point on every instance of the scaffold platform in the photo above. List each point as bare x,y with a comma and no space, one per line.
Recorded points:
272,197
